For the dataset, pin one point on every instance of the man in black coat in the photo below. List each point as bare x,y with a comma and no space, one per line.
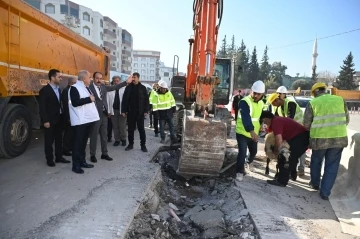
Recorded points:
135,105
68,134
235,104
51,117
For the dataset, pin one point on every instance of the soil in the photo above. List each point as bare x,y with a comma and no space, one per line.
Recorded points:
198,208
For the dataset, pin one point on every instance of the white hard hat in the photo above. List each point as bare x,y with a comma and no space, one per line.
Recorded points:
282,90
258,87
163,84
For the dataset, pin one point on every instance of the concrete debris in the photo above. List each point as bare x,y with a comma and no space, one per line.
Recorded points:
155,217
206,207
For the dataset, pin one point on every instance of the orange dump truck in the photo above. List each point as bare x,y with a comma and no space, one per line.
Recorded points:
31,43
348,95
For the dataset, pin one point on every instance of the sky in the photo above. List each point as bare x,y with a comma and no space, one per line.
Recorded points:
166,25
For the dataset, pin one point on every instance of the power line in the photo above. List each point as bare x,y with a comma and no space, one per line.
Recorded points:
299,43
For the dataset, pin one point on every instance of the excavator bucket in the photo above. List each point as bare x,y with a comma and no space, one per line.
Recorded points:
202,148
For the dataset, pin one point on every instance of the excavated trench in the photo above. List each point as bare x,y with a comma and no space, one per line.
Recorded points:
198,208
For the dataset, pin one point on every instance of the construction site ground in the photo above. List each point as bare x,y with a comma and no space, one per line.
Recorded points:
41,202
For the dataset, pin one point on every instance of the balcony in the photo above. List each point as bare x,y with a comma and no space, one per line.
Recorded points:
110,45
110,22
126,62
126,72
110,33
126,52
113,58
113,68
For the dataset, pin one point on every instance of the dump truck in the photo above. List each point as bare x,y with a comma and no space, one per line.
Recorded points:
32,43
350,96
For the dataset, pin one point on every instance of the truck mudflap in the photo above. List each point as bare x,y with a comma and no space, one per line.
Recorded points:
203,147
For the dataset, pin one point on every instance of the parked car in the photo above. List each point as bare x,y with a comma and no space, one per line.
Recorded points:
302,102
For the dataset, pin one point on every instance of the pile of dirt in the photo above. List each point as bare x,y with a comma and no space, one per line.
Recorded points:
198,208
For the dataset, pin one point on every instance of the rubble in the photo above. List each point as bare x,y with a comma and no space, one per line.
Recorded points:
198,208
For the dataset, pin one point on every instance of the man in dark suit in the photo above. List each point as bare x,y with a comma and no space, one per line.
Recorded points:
51,117
100,93
135,105
68,134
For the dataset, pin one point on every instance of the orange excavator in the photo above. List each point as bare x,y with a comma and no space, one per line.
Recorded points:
203,125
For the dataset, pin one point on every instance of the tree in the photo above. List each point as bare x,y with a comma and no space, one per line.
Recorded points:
327,77
253,67
277,71
314,75
242,63
223,49
271,83
346,74
265,67
303,84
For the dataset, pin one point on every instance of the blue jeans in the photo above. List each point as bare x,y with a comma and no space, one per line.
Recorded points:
332,162
243,144
170,121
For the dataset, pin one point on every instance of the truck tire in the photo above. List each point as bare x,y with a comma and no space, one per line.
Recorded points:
15,130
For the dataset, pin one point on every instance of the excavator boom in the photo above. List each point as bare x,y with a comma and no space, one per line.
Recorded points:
208,83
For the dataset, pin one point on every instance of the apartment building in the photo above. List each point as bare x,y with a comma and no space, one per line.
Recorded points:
166,73
147,63
92,25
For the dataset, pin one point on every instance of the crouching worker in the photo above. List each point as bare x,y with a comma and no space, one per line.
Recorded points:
296,135
248,126
164,108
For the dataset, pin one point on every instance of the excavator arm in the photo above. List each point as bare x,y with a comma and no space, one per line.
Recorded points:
208,82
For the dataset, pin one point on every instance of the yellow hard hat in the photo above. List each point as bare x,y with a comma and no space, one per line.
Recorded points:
317,86
273,97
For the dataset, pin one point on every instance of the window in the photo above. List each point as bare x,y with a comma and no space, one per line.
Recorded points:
153,59
86,17
135,70
166,73
143,71
101,36
86,31
143,59
34,3
64,9
152,65
143,65
49,8
74,12
101,23
135,64
152,72
135,59
151,77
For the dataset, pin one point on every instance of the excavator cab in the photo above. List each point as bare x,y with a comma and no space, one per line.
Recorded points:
223,70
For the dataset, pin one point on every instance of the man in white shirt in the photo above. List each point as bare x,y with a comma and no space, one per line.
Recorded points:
83,114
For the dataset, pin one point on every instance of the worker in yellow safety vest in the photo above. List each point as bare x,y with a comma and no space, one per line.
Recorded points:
248,126
154,121
164,107
326,116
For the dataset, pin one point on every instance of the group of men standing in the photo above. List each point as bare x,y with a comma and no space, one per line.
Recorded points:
322,128
82,110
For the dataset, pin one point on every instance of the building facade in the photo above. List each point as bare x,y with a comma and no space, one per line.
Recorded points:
147,63
92,25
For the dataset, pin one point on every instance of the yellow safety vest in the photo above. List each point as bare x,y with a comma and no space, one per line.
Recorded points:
163,101
152,93
299,115
329,117
255,113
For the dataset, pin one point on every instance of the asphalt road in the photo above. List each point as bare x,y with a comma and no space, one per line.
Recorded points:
354,123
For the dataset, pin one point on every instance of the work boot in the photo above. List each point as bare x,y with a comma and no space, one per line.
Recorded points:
143,148
123,142
61,160
116,143
106,157
50,163
129,147
162,141
301,172
156,134
275,183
